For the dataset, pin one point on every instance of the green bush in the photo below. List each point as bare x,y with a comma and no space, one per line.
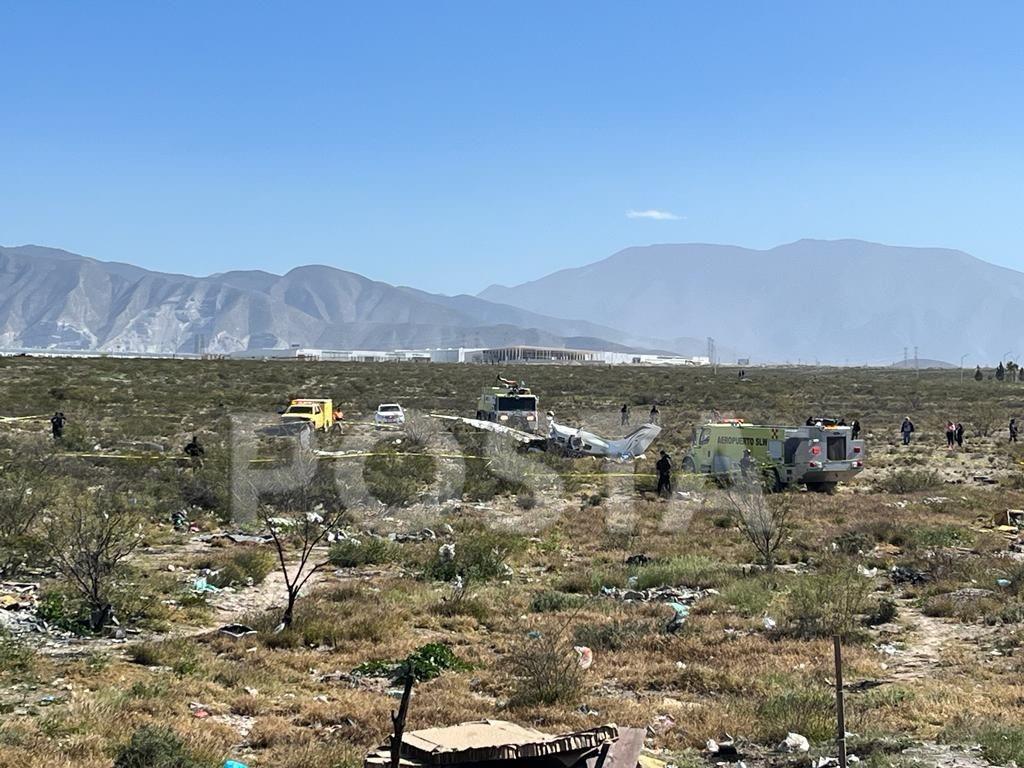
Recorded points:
589,582
552,601
241,565
694,571
397,478
615,635
425,663
545,670
155,747
822,605
368,551
910,481
804,710
480,555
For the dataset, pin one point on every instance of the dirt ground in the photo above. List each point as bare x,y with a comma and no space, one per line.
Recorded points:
909,563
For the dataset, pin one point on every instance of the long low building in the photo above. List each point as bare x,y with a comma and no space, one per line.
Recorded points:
492,355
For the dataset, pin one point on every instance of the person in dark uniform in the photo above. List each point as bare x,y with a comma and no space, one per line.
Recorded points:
855,434
747,463
664,467
1013,430
195,452
958,434
625,414
57,422
655,414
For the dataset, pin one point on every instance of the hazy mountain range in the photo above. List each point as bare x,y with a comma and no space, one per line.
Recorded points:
832,301
54,299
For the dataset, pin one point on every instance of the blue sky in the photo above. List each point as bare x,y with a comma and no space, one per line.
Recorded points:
449,145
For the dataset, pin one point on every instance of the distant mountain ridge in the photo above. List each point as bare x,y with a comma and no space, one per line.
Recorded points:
828,300
51,298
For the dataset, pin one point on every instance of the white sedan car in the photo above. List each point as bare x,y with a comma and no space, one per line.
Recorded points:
389,414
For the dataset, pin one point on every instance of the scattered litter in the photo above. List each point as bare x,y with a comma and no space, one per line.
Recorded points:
661,724
904,574
425,535
639,559
1013,518
984,479
868,573
200,585
794,742
769,623
887,648
236,538
236,630
234,764
723,749
585,656
935,500
446,552
1003,582
682,613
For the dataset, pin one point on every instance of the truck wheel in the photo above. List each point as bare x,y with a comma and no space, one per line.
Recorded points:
688,465
772,481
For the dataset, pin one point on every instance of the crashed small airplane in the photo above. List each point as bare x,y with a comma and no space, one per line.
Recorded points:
571,441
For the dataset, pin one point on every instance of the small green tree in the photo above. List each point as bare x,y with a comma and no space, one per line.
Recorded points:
90,537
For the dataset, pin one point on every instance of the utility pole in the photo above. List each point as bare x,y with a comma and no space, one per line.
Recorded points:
905,366
840,703
962,358
917,369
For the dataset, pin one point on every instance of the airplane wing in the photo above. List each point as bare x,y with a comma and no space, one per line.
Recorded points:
636,442
526,438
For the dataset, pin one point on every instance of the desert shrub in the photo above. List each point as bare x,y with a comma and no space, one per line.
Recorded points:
749,596
809,711
853,543
369,551
826,604
910,481
545,670
551,601
1002,743
62,610
480,555
590,581
614,635
883,612
395,478
240,565
15,656
526,501
180,655
155,747
694,571
425,663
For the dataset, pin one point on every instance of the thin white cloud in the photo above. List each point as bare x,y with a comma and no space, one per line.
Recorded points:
654,214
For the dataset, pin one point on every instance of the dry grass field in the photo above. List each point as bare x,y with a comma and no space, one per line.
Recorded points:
526,557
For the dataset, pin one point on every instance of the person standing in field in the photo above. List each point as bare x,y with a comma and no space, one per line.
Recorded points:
655,414
906,429
959,434
855,427
1013,430
664,467
625,414
950,434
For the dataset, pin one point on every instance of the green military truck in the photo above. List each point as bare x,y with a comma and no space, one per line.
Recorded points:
510,403
819,455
